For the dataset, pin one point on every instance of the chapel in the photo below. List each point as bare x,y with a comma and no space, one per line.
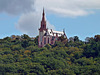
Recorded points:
48,36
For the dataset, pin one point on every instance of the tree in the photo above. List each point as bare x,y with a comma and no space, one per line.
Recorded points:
76,38
36,40
87,39
59,44
7,39
24,36
16,47
25,43
71,39
97,38
62,39
48,46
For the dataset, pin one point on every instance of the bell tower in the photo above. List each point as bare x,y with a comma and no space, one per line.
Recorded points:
43,22
42,30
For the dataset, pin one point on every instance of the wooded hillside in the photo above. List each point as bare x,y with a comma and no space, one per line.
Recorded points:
21,56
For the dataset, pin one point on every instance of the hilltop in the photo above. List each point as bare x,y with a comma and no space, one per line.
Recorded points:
21,56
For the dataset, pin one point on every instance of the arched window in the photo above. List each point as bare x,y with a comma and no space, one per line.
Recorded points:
44,40
48,40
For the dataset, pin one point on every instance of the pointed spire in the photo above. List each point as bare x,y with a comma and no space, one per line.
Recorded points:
43,17
43,22
43,11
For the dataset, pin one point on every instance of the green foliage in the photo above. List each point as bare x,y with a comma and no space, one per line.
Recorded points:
24,36
21,56
36,40
48,46
62,38
97,38
58,44
76,38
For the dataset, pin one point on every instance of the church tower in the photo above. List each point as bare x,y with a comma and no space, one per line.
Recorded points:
42,30
43,22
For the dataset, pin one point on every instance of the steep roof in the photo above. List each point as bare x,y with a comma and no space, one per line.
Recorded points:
53,33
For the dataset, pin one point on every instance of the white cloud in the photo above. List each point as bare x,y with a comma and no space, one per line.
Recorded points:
70,13
68,7
62,7
29,23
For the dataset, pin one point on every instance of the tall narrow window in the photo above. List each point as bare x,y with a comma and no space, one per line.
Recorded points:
44,40
48,40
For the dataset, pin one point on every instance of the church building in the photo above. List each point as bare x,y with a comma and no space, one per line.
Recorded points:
48,36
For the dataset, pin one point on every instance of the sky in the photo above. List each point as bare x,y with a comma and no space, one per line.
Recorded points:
78,17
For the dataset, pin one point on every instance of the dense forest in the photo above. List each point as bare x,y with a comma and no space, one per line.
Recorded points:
20,55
